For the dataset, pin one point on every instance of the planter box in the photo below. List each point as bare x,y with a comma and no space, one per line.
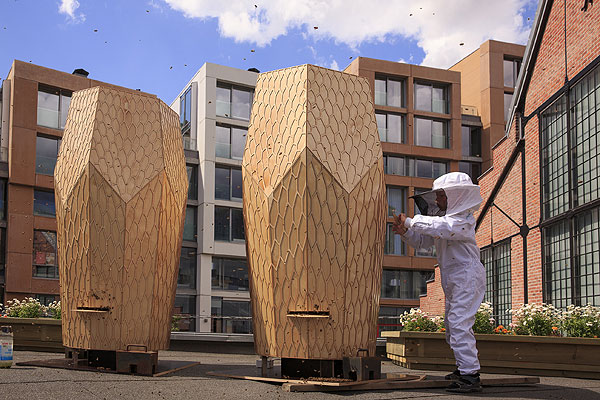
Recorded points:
505,354
37,334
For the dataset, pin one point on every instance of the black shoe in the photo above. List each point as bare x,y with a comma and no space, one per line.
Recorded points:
466,384
454,376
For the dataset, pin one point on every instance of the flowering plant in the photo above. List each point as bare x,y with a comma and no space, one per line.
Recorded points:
30,308
484,323
501,330
536,320
581,321
417,320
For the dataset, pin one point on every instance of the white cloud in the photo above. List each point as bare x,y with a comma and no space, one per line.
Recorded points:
69,7
334,65
438,27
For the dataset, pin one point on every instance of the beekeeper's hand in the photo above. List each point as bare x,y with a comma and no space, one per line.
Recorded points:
398,226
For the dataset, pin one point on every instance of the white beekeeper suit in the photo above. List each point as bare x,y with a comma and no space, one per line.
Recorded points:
463,275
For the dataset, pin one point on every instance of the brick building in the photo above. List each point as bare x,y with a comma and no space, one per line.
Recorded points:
34,105
538,228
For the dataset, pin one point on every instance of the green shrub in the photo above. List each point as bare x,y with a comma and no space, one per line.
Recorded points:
581,321
536,320
417,320
484,323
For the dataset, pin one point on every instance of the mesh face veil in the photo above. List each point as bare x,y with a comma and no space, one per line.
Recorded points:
460,191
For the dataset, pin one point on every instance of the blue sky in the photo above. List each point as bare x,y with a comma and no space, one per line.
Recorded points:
157,45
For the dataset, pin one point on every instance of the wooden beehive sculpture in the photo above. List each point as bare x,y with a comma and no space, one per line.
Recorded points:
314,212
121,188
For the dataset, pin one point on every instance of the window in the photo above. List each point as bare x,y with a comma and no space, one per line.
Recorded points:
587,258
511,72
396,200
471,141
389,318
192,173
45,264
389,91
473,169
391,127
230,142
431,97
496,260
190,228
555,164
229,224
46,152
184,313
431,133
230,274
233,102
230,316
187,269
394,165
427,168
507,100
43,204
403,284
393,243
53,107
46,299
228,183
185,110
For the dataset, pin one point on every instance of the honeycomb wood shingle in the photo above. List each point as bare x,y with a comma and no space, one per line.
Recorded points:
121,187
314,212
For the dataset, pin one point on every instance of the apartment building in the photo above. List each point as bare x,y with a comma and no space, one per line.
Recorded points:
35,102
213,291
424,135
488,80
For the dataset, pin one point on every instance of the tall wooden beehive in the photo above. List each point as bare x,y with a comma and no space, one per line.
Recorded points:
121,188
314,211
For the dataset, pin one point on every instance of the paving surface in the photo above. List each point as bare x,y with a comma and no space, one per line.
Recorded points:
30,383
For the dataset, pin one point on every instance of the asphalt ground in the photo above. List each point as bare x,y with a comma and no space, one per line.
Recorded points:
30,383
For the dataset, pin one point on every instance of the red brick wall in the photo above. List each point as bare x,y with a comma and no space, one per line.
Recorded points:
433,303
547,77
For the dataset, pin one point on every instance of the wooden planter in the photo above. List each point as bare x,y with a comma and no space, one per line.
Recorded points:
505,354
38,334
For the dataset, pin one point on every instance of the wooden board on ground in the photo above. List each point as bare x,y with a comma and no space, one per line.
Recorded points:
164,366
390,384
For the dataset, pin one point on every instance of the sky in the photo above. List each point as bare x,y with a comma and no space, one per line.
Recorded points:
158,45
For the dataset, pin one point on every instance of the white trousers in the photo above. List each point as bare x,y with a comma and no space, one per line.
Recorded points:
464,288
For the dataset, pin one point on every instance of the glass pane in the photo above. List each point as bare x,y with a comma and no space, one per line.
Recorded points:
192,173
393,243
237,224
189,227
422,97
395,201
223,102
2,214
43,203
238,139
44,254
395,165
438,135
222,183
188,106
222,223
235,274
382,126
47,111
241,102
184,313
46,151
238,317
380,92
465,133
223,142
509,78
394,93
423,132
439,169
507,100
424,168
187,269
65,101
236,184
439,100
475,142
394,131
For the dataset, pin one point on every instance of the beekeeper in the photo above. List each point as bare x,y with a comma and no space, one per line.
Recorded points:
450,226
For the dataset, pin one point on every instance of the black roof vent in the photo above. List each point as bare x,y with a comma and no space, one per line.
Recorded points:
254,70
81,72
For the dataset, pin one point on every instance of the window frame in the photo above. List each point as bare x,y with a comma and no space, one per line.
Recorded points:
231,88
231,238
231,170
494,293
445,129
35,266
431,86
61,114
387,79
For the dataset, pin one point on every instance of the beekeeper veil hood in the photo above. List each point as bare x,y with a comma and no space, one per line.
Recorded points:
462,195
